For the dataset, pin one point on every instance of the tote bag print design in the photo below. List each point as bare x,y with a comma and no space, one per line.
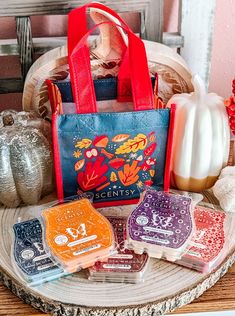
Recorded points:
115,167
111,155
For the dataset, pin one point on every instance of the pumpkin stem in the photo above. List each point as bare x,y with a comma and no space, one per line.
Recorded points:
8,120
199,87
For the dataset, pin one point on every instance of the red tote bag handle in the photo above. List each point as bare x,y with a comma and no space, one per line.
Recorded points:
78,17
77,22
81,78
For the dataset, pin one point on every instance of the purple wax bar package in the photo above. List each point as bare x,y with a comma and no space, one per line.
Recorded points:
161,225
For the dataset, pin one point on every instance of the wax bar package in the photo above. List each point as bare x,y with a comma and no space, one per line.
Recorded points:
29,258
123,267
210,241
195,197
77,235
161,225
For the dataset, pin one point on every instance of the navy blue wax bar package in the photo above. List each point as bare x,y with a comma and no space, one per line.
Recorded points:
29,257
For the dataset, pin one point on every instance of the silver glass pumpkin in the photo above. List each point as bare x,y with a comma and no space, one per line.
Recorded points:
26,166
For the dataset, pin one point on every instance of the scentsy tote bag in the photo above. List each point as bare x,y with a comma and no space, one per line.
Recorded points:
112,155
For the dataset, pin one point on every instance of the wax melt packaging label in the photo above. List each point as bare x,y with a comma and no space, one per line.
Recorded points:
77,234
125,266
162,224
29,255
208,241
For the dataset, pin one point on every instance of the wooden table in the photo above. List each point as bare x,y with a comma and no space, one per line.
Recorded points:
218,298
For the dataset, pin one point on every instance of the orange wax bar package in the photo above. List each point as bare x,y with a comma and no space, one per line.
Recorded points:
77,235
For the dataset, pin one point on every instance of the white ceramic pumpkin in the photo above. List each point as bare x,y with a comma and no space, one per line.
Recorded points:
201,138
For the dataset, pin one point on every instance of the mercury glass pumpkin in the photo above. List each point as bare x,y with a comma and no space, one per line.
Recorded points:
26,167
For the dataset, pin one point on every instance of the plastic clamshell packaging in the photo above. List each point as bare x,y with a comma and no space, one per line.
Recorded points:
29,258
77,235
161,225
210,242
123,267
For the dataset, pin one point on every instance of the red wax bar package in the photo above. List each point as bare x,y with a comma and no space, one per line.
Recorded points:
125,266
210,241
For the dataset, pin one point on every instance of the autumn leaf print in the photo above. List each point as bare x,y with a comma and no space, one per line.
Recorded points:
120,138
152,173
93,175
117,163
150,150
113,177
79,164
133,145
152,137
84,143
129,175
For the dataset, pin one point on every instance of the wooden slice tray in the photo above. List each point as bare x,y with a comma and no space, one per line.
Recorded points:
167,286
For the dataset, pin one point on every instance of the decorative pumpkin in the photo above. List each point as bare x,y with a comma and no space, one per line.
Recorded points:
26,167
201,138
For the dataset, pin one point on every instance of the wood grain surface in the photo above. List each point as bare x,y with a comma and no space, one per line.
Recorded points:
219,297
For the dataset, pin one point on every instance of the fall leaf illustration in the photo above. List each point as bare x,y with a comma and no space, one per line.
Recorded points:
129,175
133,145
79,164
152,173
120,138
150,150
152,137
117,163
84,143
93,175
113,177
77,153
